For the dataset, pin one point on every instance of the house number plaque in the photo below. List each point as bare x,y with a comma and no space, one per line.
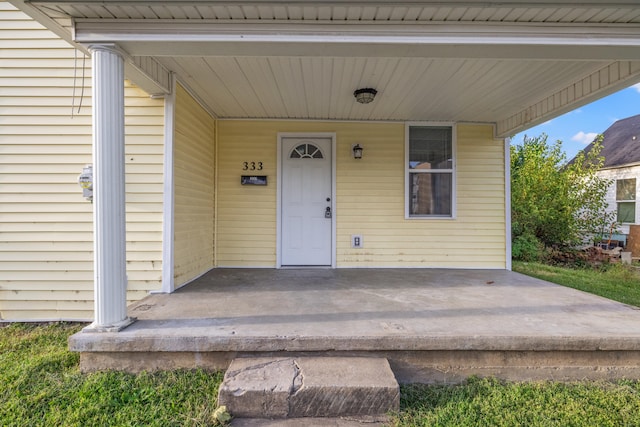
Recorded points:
253,179
251,166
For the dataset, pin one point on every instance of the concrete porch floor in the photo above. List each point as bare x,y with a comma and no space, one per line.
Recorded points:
434,325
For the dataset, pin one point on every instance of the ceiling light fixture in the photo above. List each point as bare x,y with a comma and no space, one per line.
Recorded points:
365,95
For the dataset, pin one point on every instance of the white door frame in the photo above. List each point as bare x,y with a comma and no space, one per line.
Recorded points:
282,135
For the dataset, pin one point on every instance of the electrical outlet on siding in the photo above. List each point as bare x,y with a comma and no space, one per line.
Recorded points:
356,241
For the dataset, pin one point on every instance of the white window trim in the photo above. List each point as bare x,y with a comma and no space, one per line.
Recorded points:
618,208
453,169
634,201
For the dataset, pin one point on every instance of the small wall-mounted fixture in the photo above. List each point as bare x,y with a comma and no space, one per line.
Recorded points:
357,151
365,95
85,180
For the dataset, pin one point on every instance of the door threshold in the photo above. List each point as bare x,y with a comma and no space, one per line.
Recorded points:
298,267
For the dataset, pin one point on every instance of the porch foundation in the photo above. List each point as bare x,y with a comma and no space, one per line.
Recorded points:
429,367
434,326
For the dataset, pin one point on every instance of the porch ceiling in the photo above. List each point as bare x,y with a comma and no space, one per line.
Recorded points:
512,63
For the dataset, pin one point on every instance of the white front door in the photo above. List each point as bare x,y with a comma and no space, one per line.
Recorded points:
306,210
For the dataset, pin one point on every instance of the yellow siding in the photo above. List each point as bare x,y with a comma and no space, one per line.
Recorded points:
46,259
370,199
194,189
246,214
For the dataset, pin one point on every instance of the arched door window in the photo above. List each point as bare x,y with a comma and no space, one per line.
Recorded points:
306,151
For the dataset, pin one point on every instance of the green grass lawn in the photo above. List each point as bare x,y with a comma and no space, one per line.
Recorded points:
489,402
618,282
40,385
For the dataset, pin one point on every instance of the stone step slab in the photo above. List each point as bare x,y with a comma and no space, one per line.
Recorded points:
296,387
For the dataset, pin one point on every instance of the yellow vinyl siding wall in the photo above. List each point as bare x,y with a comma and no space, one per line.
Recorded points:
474,239
46,249
370,198
144,162
194,169
246,214
481,235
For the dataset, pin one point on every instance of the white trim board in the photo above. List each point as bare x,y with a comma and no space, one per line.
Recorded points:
168,197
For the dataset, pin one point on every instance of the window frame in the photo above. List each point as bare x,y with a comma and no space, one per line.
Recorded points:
619,201
306,155
409,171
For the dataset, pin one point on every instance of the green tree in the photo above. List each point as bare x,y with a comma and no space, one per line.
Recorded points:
555,203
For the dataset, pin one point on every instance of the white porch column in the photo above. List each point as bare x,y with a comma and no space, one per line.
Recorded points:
110,276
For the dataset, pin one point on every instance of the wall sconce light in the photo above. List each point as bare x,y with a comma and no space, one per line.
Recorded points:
357,151
365,95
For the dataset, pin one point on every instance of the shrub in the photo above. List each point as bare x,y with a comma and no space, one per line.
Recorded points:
527,247
558,203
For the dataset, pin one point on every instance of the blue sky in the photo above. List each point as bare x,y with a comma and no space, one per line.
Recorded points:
578,128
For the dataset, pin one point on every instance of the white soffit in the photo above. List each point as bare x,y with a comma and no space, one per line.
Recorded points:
274,38
513,63
549,11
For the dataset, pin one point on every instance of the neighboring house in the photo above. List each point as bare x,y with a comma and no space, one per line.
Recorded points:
232,143
621,152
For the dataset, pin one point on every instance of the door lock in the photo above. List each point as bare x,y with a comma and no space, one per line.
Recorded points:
327,212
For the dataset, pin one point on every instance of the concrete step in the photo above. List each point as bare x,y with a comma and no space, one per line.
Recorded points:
296,387
377,421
